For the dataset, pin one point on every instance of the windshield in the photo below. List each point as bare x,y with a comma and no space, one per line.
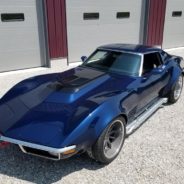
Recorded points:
113,61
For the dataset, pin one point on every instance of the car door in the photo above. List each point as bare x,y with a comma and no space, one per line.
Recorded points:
154,78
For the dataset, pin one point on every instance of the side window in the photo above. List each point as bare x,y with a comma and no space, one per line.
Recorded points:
151,61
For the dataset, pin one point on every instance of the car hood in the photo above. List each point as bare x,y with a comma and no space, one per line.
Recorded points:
46,109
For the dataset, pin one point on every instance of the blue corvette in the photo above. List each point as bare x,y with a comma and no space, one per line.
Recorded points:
92,107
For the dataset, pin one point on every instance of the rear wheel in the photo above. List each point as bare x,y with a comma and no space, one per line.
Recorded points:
175,93
110,142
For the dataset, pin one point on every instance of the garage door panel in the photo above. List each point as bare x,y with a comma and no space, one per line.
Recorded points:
23,39
75,16
174,5
14,3
20,45
107,29
99,31
101,3
177,26
30,58
175,41
77,19
174,25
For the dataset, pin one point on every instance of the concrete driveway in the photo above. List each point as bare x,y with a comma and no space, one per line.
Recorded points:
153,154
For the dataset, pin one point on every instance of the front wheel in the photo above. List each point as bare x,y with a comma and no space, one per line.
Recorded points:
110,142
175,93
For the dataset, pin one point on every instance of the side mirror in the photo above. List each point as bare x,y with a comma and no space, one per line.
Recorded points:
83,58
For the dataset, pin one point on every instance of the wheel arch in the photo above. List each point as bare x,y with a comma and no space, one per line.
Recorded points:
123,115
176,72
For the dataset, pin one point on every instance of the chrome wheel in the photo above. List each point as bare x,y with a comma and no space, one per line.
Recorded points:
178,88
114,139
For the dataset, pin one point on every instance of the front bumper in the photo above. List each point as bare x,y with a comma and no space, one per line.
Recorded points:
42,151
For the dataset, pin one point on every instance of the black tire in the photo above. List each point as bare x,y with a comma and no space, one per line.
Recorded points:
172,97
99,150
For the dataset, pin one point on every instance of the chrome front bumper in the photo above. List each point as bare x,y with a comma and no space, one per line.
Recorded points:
39,150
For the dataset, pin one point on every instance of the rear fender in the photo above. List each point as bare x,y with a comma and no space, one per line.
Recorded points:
176,72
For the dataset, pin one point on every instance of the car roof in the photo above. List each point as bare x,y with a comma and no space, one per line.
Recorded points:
135,48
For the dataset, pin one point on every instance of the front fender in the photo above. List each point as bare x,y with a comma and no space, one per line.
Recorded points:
86,134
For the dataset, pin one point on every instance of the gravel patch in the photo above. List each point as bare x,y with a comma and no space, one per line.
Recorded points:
153,154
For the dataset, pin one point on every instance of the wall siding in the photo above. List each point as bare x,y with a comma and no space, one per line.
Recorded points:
57,35
156,19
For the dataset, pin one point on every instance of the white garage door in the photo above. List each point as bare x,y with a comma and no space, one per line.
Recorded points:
92,23
174,24
21,34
